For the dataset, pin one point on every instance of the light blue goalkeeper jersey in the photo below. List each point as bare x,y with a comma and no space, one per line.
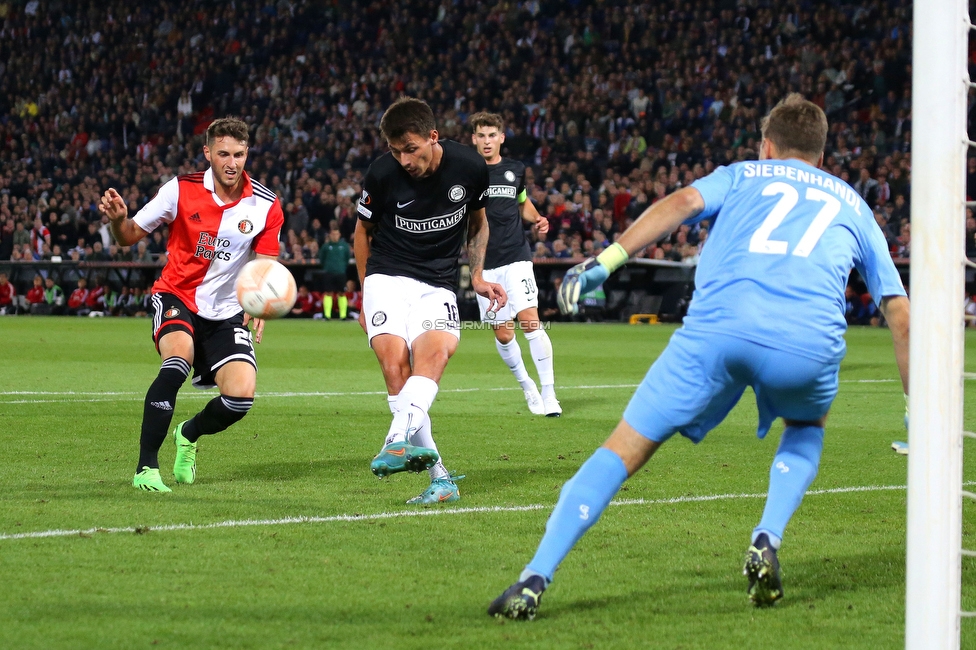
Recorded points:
776,262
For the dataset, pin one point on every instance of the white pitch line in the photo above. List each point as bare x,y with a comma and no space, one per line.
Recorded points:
119,396
133,396
420,513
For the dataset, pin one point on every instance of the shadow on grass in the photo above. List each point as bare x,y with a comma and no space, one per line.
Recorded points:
824,575
290,470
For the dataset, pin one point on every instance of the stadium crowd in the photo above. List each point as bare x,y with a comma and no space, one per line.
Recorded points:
612,105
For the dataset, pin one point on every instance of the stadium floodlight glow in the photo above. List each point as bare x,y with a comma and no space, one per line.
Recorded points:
939,144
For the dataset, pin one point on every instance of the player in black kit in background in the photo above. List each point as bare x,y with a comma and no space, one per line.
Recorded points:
509,262
420,202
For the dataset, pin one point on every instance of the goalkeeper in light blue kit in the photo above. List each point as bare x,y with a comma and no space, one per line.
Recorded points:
767,312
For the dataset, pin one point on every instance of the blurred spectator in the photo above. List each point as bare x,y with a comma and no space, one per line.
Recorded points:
140,253
867,187
138,302
96,299
560,250
39,236
98,254
7,296
296,216
21,236
900,211
902,246
78,300
157,245
860,308
304,304
35,295
7,239
889,229
354,299
184,107
115,304
53,297
317,232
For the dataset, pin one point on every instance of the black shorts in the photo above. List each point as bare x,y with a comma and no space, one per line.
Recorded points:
334,283
215,343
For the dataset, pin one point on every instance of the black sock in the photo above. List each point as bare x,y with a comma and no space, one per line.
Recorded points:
157,414
217,415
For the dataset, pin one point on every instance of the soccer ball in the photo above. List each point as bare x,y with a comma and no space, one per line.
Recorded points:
266,289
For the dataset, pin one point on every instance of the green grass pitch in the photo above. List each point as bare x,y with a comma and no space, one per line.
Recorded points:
660,570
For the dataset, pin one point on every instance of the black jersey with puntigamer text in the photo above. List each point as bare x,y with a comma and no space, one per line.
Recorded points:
507,242
420,224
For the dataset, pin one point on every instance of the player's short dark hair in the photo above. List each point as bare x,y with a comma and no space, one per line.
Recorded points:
227,126
798,126
484,118
407,115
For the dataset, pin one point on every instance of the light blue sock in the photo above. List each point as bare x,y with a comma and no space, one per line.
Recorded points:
794,468
581,502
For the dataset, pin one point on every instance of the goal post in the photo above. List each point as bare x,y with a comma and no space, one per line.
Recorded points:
939,147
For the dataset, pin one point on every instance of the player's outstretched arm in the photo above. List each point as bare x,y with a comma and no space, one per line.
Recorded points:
896,310
125,230
477,245
661,218
655,222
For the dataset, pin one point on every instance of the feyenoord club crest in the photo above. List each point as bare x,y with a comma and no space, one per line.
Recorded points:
245,226
456,193
510,176
379,318
172,312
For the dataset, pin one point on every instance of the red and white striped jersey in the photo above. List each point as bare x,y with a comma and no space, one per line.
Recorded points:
210,241
39,238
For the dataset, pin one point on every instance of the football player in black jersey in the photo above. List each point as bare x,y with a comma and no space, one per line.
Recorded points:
421,201
509,262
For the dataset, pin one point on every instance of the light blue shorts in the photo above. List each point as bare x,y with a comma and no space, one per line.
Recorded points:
700,377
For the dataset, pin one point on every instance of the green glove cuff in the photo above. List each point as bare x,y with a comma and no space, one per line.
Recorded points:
613,257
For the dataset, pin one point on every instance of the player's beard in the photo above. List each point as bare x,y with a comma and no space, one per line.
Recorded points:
233,182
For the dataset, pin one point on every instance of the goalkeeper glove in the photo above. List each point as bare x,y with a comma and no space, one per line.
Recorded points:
587,276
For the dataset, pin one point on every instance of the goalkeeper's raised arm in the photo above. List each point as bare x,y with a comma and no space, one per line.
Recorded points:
655,222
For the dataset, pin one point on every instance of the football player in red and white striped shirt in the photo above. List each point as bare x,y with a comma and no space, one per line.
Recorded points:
216,219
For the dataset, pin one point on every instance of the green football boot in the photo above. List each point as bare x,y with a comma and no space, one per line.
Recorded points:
762,569
185,465
520,602
148,479
402,457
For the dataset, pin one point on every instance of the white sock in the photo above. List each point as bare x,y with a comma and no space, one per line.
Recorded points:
541,349
423,437
412,404
391,401
511,354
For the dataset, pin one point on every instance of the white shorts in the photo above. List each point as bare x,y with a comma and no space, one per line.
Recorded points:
407,308
518,280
